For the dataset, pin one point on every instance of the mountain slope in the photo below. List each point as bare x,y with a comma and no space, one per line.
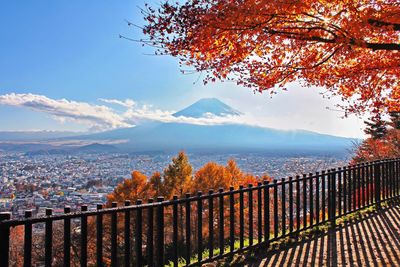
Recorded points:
211,138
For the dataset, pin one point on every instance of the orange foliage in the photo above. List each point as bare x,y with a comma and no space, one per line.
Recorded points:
377,149
177,179
349,47
16,246
132,189
214,176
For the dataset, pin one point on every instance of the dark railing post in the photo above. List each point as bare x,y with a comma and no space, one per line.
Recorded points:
139,233
114,217
317,206
310,175
323,195
266,213
290,204
241,217
396,175
48,239
382,179
160,232
393,178
4,239
150,234
298,203
231,219
28,240
199,227
250,203
329,176
350,189
371,183
187,230
359,186
339,191
377,176
304,201
354,187
221,221
333,198
283,200
344,190
259,212
84,236
99,237
67,238
385,179
276,221
362,184
211,224
387,167
127,235
175,231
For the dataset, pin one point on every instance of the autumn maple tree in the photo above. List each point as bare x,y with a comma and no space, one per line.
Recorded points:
383,140
349,47
131,189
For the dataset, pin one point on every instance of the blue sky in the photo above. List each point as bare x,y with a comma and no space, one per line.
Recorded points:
71,50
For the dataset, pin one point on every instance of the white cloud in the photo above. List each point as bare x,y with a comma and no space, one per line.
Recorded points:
135,113
128,103
97,117
101,117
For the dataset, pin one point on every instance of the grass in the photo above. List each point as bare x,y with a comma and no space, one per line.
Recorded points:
281,243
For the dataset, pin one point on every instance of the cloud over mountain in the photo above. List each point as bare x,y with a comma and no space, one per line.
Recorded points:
103,117
96,117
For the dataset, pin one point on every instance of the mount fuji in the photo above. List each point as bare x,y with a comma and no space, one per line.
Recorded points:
156,136
227,137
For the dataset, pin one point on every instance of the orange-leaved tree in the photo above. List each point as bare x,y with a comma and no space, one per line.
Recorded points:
178,176
352,48
377,149
383,141
132,189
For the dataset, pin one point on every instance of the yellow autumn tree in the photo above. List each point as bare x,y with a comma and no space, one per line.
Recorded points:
178,176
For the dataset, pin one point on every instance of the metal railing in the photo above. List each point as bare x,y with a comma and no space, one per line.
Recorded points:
204,227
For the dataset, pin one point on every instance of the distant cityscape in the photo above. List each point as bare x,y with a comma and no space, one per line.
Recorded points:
39,181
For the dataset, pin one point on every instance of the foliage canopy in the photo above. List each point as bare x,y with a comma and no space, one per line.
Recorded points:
349,47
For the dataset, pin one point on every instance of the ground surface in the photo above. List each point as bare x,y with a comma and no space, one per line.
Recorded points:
372,240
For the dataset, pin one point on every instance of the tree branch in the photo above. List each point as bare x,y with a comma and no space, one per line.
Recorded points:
380,23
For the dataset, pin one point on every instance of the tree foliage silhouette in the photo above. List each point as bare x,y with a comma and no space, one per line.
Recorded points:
349,47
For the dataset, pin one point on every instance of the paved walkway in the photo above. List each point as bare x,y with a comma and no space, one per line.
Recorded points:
373,240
